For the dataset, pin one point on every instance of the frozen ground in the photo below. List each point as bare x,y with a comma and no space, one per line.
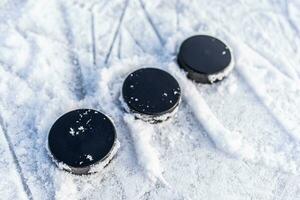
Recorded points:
237,139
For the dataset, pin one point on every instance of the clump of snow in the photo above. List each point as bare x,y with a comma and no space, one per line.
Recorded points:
80,129
72,132
89,157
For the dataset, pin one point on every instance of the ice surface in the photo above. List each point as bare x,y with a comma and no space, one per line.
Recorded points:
235,139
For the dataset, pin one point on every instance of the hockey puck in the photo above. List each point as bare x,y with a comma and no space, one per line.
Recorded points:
206,59
82,141
151,94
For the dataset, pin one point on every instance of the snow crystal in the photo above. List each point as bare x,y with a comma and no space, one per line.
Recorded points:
72,132
88,121
89,157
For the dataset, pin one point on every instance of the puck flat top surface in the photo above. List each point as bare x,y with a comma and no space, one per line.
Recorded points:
151,91
81,138
204,54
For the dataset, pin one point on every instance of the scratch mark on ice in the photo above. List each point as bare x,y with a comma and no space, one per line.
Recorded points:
19,169
117,31
149,19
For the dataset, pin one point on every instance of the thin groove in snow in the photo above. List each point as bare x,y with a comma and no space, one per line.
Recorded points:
261,98
136,41
290,70
101,7
177,14
260,95
117,31
32,33
272,64
80,90
290,183
8,69
93,39
292,24
93,27
15,159
149,19
120,46
288,18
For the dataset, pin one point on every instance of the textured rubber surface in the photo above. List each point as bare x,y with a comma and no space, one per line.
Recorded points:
202,56
151,92
81,138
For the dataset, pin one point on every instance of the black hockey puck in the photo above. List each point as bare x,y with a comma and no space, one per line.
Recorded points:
151,94
206,59
82,141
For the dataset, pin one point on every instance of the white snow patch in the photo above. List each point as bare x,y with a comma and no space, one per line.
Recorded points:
89,157
72,132
148,158
225,140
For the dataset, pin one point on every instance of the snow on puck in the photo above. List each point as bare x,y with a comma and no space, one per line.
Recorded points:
82,141
206,59
151,94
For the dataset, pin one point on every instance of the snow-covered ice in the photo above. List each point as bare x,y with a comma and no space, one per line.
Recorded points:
235,139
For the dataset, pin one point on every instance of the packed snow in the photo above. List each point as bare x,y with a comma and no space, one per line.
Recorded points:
235,139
